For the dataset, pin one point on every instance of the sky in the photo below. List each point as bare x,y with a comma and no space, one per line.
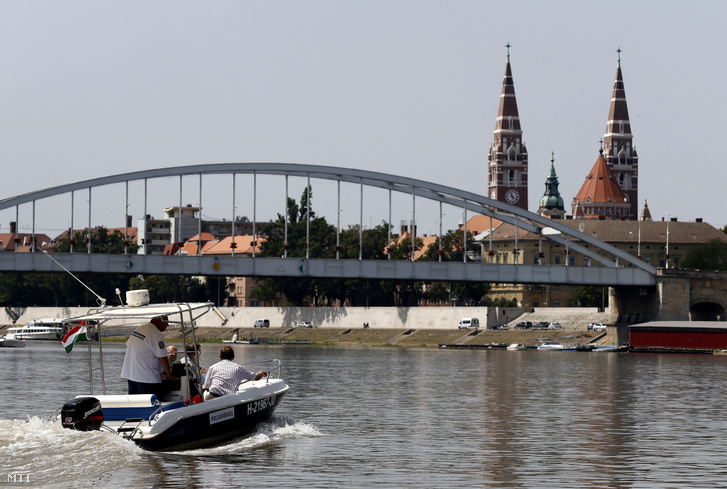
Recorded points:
97,88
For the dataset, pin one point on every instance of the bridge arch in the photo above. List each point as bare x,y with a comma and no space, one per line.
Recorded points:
469,202
704,310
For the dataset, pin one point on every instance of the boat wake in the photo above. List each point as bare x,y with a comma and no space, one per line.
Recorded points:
268,432
49,454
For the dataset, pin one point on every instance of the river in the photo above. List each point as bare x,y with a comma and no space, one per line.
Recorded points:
399,418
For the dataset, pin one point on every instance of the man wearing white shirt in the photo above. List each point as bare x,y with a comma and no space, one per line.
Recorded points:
146,357
224,376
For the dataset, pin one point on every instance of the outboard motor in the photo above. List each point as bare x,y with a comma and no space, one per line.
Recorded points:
82,414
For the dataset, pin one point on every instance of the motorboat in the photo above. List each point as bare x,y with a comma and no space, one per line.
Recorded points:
608,349
236,340
517,347
550,346
9,341
51,329
178,419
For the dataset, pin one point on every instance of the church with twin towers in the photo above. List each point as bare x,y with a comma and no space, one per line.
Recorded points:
610,190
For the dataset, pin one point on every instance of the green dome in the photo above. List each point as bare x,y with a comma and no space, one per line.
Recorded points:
552,200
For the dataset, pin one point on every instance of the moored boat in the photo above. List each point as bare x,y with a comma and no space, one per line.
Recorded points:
40,329
236,340
178,419
9,341
517,347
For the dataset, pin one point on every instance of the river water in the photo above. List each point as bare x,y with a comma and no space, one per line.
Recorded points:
399,418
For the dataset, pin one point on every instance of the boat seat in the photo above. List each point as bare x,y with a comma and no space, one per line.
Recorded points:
123,407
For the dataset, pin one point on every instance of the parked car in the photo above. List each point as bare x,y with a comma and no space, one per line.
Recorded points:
541,325
524,325
500,326
597,326
262,323
469,323
304,324
555,326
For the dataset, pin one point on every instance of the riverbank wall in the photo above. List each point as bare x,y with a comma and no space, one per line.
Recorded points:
429,318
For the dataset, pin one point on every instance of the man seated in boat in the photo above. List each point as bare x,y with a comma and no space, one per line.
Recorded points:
146,357
193,351
172,354
224,376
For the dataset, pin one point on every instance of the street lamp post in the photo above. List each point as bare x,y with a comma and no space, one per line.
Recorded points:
666,255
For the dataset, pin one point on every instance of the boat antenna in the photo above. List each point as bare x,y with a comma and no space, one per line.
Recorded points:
100,299
118,293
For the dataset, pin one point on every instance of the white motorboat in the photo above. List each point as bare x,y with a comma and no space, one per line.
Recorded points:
178,420
51,329
550,346
9,341
236,340
517,347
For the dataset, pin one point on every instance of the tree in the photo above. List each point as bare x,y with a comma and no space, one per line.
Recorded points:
173,288
711,255
452,247
101,242
589,296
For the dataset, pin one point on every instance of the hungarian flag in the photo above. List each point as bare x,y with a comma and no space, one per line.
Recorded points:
77,333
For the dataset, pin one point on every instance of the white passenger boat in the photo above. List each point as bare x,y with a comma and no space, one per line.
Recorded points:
550,346
517,347
178,420
51,329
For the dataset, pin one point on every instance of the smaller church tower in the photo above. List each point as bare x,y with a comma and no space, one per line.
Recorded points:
551,204
600,196
507,174
645,213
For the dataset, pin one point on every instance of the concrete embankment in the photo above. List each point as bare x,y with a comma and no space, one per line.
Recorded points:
394,337
419,318
416,326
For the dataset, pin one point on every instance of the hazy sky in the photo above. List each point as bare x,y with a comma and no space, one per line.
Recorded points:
95,88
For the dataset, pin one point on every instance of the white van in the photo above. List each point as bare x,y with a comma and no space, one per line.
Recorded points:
469,323
262,323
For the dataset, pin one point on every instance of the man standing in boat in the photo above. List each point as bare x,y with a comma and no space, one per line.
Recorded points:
145,354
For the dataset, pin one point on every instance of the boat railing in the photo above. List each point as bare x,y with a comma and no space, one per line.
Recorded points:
272,367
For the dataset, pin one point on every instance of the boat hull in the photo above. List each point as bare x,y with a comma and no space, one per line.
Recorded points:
221,421
11,343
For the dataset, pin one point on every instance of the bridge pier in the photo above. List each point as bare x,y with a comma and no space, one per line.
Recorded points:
679,295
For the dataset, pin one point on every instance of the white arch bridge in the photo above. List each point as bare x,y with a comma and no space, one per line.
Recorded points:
612,267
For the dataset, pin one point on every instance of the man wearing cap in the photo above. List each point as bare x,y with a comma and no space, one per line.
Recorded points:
146,357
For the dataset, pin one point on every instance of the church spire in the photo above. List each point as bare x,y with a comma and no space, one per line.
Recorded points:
508,157
551,204
618,149
645,212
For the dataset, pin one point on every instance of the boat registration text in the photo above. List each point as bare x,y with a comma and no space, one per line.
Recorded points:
260,404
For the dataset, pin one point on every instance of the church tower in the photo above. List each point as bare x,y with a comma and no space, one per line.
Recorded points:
618,149
551,204
508,158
